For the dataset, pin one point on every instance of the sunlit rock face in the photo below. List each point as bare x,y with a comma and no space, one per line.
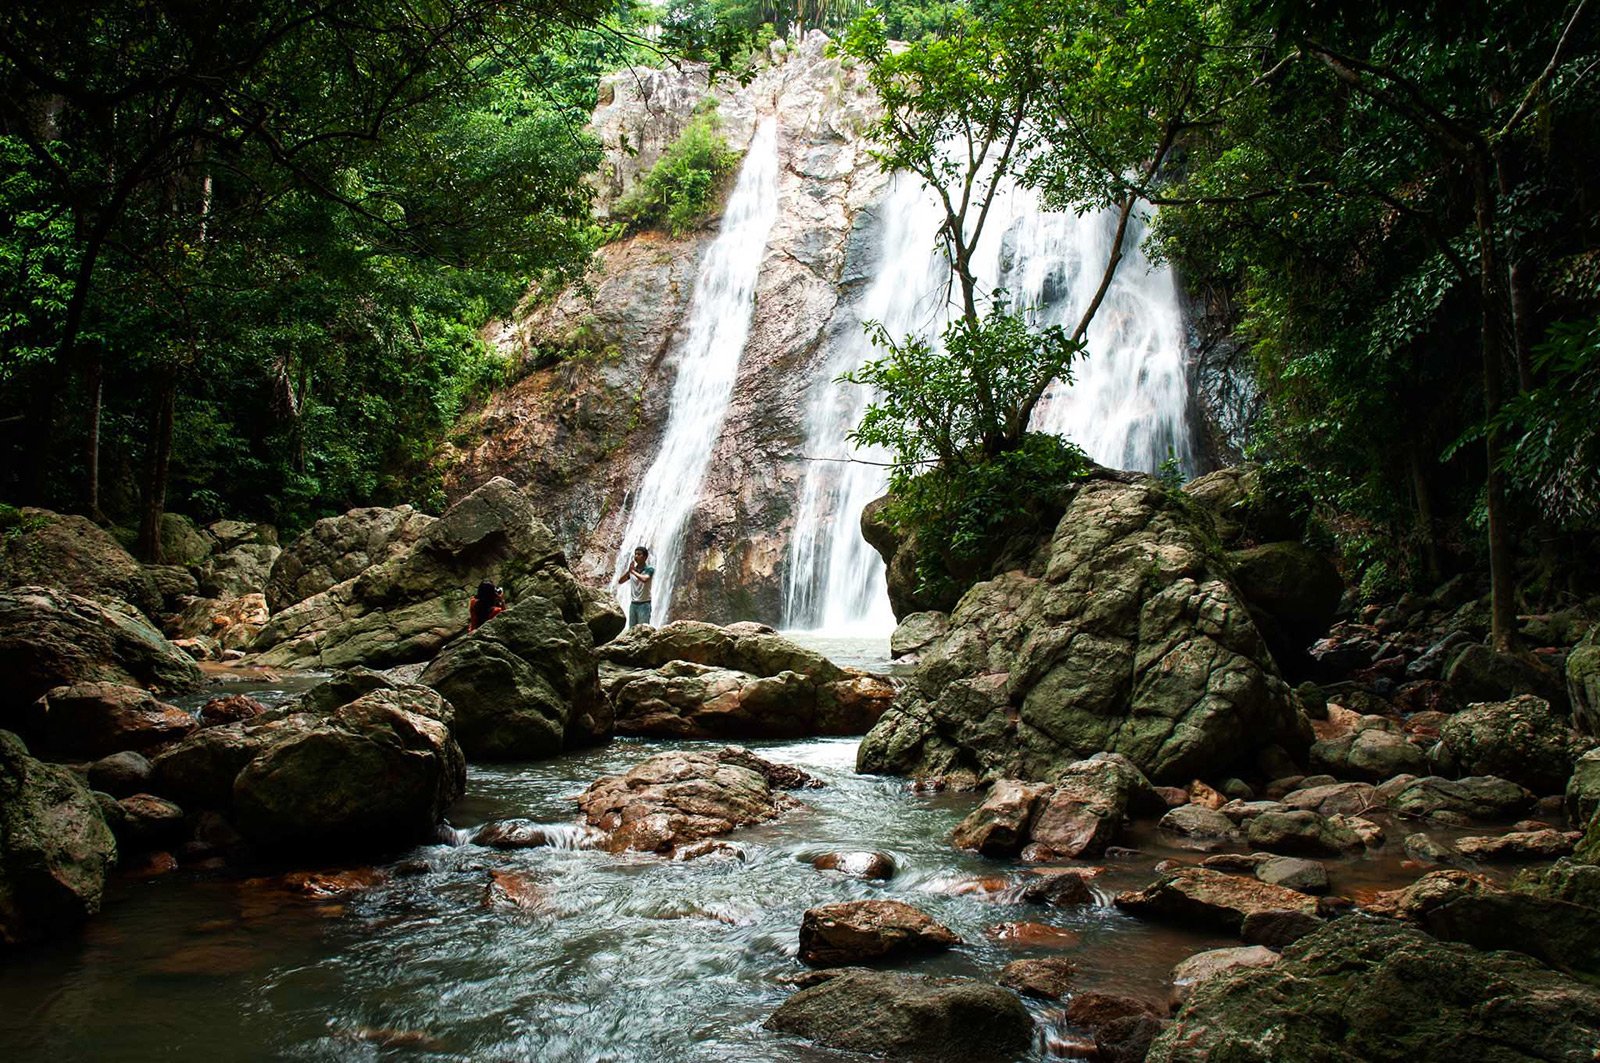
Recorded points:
580,433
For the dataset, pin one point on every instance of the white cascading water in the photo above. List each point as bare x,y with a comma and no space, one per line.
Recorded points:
835,580
708,363
1127,406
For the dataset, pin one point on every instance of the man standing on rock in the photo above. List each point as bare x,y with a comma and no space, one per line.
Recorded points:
642,574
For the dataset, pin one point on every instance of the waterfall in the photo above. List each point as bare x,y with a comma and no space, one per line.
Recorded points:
835,579
1127,406
708,363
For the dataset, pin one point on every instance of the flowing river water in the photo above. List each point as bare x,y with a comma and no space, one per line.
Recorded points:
615,957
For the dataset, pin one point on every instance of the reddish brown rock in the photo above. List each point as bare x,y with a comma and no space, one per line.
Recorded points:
1200,895
851,932
230,708
1093,1009
98,719
1049,977
1033,935
509,889
679,797
999,826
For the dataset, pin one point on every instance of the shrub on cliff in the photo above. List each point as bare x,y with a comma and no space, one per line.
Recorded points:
683,187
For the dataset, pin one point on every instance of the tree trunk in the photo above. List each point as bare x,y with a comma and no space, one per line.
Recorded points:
1520,281
155,496
95,385
1502,579
1425,528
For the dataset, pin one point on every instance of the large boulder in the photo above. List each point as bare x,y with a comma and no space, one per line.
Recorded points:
1583,682
673,799
1374,991
1477,797
232,623
906,1016
1478,673
375,774
55,847
335,549
1522,740
357,765
1243,507
50,638
182,543
1293,591
1583,789
524,685
744,681
87,721
1130,640
74,554
408,607
237,572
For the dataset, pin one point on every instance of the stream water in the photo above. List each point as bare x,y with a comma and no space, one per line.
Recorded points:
618,957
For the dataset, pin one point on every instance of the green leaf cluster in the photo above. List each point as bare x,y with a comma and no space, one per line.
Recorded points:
686,185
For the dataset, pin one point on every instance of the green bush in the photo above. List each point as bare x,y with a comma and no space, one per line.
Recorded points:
969,515
685,184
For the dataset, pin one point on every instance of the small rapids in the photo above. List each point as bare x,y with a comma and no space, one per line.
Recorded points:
558,952
562,952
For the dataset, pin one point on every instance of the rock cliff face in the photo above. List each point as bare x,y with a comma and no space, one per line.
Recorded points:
579,433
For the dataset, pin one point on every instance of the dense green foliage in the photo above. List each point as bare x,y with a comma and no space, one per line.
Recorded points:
246,252
969,515
1391,204
686,184
1393,221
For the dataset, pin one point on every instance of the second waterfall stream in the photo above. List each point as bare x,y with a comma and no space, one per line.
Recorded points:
707,366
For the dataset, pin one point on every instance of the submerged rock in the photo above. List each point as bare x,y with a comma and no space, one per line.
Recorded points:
940,1020
55,847
852,932
1129,638
49,639
675,798
1381,992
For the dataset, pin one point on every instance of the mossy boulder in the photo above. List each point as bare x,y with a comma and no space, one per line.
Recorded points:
408,607
55,847
524,685
50,638
75,554
1130,639
1522,740
1374,991
908,1016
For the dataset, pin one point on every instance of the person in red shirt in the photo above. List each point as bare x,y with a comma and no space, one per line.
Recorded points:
487,604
